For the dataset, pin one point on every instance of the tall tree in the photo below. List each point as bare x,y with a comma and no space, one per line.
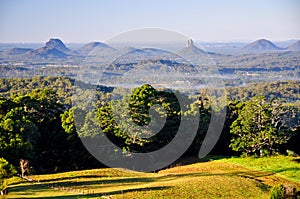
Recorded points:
261,126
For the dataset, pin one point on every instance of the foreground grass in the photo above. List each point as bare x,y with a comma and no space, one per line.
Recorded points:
224,178
284,166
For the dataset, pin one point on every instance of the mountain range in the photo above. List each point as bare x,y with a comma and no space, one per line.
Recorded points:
55,48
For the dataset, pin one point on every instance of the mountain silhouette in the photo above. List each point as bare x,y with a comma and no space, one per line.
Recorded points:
54,48
261,45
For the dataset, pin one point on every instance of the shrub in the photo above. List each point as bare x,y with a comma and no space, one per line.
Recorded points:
6,169
278,192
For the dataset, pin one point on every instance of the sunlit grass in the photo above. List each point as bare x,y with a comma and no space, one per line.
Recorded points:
285,166
224,178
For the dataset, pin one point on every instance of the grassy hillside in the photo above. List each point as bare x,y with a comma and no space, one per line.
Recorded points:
223,178
287,167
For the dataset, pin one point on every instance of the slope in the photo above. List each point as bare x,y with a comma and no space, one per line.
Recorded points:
212,179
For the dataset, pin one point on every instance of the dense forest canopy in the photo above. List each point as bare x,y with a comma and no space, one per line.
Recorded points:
63,87
37,121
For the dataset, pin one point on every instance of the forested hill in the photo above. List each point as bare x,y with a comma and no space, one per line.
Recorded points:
37,120
63,87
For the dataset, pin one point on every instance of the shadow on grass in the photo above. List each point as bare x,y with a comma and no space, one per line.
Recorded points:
72,178
102,183
253,175
296,160
119,182
284,169
158,188
193,159
28,189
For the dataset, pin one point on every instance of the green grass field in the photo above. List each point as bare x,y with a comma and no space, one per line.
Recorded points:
221,178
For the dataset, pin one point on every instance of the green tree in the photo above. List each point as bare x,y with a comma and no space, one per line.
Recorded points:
77,155
6,171
17,134
132,121
30,129
261,126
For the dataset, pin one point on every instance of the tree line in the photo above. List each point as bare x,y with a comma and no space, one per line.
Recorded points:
40,126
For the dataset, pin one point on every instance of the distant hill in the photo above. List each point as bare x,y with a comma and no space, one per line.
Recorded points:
47,53
148,65
126,49
191,50
294,47
86,49
261,45
17,51
142,54
54,48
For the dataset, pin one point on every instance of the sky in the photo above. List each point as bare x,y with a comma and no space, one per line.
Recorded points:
35,21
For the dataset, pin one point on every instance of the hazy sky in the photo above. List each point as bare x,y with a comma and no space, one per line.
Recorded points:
99,20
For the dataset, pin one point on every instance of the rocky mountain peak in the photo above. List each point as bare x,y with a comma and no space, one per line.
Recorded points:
56,43
189,43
